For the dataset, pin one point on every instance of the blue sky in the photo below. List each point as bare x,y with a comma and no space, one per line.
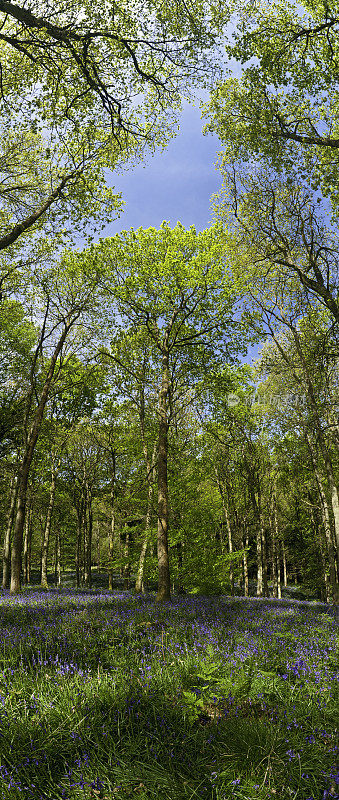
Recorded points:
173,185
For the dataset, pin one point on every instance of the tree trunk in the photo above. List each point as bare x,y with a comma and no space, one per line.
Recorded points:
229,530
47,532
277,549
26,545
57,573
7,540
88,531
319,538
256,504
284,562
25,468
264,558
259,562
127,566
16,559
325,518
244,544
230,548
164,582
98,547
139,584
84,542
278,570
112,532
79,511
274,563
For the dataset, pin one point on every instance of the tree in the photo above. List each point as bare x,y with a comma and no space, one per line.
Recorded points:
277,229
278,124
84,88
132,365
66,293
174,285
297,357
241,463
284,107
18,338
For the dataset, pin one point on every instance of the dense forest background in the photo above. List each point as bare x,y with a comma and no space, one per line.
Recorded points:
138,439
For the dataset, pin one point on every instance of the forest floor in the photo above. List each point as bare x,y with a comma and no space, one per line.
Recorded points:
111,696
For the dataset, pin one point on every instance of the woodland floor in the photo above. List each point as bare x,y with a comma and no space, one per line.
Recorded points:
109,696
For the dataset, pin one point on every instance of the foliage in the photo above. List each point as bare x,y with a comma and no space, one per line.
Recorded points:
284,106
109,694
65,120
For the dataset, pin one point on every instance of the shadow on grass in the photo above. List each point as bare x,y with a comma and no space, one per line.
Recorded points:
93,733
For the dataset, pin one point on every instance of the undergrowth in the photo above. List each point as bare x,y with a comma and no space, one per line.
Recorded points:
110,696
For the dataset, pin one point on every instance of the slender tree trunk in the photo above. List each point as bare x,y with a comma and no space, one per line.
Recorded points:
84,543
229,531
258,530
98,546
25,546
47,532
259,562
111,538
58,563
277,549
79,511
112,530
164,581
274,537
319,538
25,468
7,540
127,566
284,561
230,548
244,544
57,566
139,584
27,542
264,558
278,570
88,531
16,559
274,562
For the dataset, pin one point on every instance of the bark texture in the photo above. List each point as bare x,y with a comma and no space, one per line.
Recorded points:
164,585
47,531
6,562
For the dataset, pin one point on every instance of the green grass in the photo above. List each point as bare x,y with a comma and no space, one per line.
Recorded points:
109,696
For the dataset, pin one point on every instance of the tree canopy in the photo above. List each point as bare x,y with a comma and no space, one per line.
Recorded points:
87,87
132,420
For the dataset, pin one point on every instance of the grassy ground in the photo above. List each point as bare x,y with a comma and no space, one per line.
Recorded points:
109,696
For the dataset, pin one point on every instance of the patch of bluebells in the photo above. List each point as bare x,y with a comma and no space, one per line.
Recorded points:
69,637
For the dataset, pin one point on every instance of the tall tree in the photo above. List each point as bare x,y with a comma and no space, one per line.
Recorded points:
66,293
173,284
